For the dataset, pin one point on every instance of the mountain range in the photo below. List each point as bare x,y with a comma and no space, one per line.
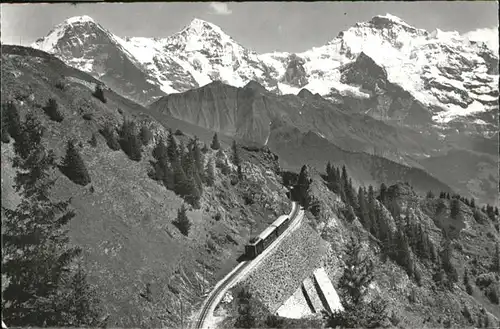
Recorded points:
421,99
384,67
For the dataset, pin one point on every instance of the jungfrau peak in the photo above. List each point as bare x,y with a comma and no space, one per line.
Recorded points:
441,73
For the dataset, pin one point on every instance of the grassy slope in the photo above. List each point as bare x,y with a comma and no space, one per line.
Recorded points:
125,225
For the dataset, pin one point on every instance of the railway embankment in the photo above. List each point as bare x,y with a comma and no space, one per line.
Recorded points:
277,277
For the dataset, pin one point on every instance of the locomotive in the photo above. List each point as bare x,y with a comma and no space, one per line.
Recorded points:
258,244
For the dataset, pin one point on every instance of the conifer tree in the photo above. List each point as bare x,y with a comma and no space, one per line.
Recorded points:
145,135
454,208
73,165
235,154
5,133
182,221
302,186
383,193
363,209
246,318
215,142
430,195
12,119
198,157
496,259
172,148
109,134
446,255
37,257
357,276
210,172
129,141
473,203
52,110
345,178
99,93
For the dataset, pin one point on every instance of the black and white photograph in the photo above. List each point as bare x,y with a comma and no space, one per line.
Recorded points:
219,165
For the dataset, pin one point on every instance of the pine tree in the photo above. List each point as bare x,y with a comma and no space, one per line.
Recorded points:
182,221
357,276
302,186
52,110
430,195
454,208
82,301
446,255
5,133
246,318
37,256
12,119
99,93
235,154
210,172
73,165
473,203
172,148
215,142
109,134
198,158
383,193
345,178
496,259
129,141
145,135
363,209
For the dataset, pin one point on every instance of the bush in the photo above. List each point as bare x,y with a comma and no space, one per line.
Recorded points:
52,110
178,132
218,216
87,116
484,280
109,134
469,289
492,294
60,85
99,93
93,140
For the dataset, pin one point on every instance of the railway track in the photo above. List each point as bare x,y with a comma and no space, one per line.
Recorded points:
216,294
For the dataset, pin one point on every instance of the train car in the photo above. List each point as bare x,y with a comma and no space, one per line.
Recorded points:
281,224
253,248
258,244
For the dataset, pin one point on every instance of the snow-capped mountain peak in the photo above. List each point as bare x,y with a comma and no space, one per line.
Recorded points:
77,26
444,71
79,19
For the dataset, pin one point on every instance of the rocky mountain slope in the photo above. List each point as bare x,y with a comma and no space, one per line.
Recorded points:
143,266
256,115
426,300
395,71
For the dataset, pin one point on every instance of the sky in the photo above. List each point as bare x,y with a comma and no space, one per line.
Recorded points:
259,26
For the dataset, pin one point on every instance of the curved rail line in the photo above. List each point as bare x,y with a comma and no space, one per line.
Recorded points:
211,302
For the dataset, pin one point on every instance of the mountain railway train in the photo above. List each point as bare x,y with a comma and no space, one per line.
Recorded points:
258,244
